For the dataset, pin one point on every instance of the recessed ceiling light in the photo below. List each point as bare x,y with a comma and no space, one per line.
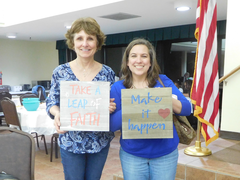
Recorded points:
182,5
11,35
68,27
183,8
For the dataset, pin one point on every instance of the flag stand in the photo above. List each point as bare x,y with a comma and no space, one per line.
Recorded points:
197,150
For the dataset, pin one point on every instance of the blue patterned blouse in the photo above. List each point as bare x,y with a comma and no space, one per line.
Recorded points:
79,142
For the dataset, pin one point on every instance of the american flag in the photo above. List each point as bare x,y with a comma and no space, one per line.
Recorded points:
205,88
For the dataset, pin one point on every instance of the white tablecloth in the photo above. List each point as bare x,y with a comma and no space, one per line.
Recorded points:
36,121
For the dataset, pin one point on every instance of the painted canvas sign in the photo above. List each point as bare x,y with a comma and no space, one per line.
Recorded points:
84,106
147,113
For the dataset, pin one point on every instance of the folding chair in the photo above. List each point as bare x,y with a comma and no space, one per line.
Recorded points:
2,95
54,140
17,155
11,118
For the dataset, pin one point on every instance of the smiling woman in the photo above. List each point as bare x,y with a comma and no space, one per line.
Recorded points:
85,38
151,158
139,62
81,157
85,45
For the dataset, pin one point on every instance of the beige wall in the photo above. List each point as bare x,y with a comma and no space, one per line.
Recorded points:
231,86
24,61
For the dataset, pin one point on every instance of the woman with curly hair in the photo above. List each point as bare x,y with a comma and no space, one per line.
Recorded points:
83,153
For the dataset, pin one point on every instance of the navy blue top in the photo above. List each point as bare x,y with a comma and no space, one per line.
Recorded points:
78,142
147,148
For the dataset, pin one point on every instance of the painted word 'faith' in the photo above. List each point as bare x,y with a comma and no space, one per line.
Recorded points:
93,118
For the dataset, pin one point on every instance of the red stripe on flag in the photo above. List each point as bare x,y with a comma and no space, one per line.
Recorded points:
209,88
205,87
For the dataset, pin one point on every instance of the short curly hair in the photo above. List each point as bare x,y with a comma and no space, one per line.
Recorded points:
90,26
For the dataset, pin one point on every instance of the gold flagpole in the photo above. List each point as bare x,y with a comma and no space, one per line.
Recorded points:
197,150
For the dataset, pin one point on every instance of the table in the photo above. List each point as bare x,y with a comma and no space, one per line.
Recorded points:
36,121
19,92
24,92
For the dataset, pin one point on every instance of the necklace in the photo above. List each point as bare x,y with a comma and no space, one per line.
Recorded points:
84,73
133,87
87,71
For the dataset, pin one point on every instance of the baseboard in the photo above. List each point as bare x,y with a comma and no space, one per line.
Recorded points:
230,135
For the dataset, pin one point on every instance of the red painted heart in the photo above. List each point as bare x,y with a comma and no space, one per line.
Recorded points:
164,112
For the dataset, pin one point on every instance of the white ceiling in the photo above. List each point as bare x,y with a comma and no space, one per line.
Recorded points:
154,14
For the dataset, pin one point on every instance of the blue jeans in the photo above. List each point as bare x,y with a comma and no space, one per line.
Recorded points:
138,168
83,166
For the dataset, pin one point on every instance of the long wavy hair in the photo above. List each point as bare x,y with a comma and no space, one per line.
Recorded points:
153,71
90,26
